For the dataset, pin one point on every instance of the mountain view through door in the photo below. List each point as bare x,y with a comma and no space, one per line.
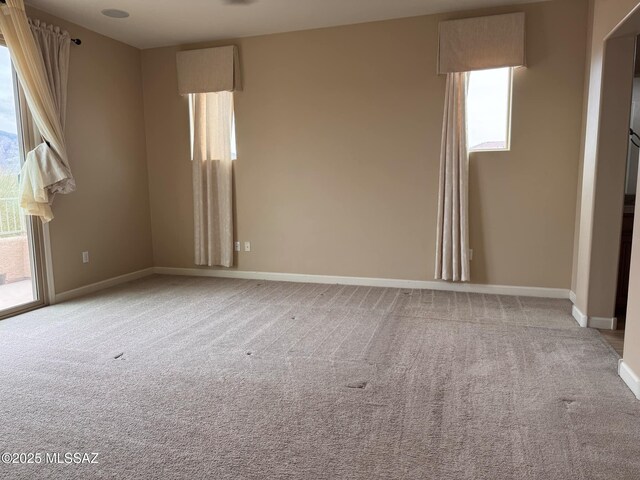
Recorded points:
16,271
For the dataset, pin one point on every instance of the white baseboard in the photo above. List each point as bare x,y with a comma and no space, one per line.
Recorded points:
572,296
602,323
325,279
629,377
370,282
580,317
109,282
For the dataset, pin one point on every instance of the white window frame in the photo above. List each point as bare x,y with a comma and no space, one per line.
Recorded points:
509,117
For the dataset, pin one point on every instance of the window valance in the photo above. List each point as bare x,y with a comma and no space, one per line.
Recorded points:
208,70
481,43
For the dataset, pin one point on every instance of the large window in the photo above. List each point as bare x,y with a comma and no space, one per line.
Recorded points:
489,109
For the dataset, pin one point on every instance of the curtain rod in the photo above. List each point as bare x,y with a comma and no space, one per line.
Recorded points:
77,41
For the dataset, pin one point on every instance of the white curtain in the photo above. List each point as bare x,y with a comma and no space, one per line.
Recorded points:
213,152
452,244
54,45
40,60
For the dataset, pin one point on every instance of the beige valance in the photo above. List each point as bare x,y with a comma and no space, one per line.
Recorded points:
481,43
208,70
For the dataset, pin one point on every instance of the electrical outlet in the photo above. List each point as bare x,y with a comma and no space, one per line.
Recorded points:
471,254
236,246
247,246
85,257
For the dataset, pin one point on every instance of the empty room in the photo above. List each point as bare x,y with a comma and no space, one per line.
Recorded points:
304,239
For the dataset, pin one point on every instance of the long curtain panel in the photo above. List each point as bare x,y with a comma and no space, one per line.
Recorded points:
41,66
36,197
212,124
452,243
54,45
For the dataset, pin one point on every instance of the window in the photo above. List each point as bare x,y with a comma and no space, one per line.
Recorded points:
489,109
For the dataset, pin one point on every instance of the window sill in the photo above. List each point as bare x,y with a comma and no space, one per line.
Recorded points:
490,150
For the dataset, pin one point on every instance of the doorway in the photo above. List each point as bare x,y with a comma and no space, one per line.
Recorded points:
616,337
21,280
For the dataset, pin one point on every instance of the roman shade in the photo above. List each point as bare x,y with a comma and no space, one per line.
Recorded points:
208,70
481,43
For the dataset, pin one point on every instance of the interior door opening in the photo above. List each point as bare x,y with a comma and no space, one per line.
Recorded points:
616,337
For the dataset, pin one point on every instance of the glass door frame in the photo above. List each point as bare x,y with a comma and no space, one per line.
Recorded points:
37,234
36,256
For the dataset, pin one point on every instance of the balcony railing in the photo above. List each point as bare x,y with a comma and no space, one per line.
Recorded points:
12,220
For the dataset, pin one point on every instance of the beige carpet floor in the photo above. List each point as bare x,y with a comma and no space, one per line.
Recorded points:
177,377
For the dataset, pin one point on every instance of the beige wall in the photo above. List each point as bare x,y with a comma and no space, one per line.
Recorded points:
338,140
108,215
585,106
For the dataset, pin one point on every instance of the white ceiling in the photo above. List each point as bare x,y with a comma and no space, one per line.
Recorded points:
155,23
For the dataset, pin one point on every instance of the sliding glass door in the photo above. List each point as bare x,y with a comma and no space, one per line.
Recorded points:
20,276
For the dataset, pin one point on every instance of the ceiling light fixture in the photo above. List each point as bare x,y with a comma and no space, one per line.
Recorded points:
115,13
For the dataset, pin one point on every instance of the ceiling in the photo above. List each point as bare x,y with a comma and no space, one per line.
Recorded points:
155,23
